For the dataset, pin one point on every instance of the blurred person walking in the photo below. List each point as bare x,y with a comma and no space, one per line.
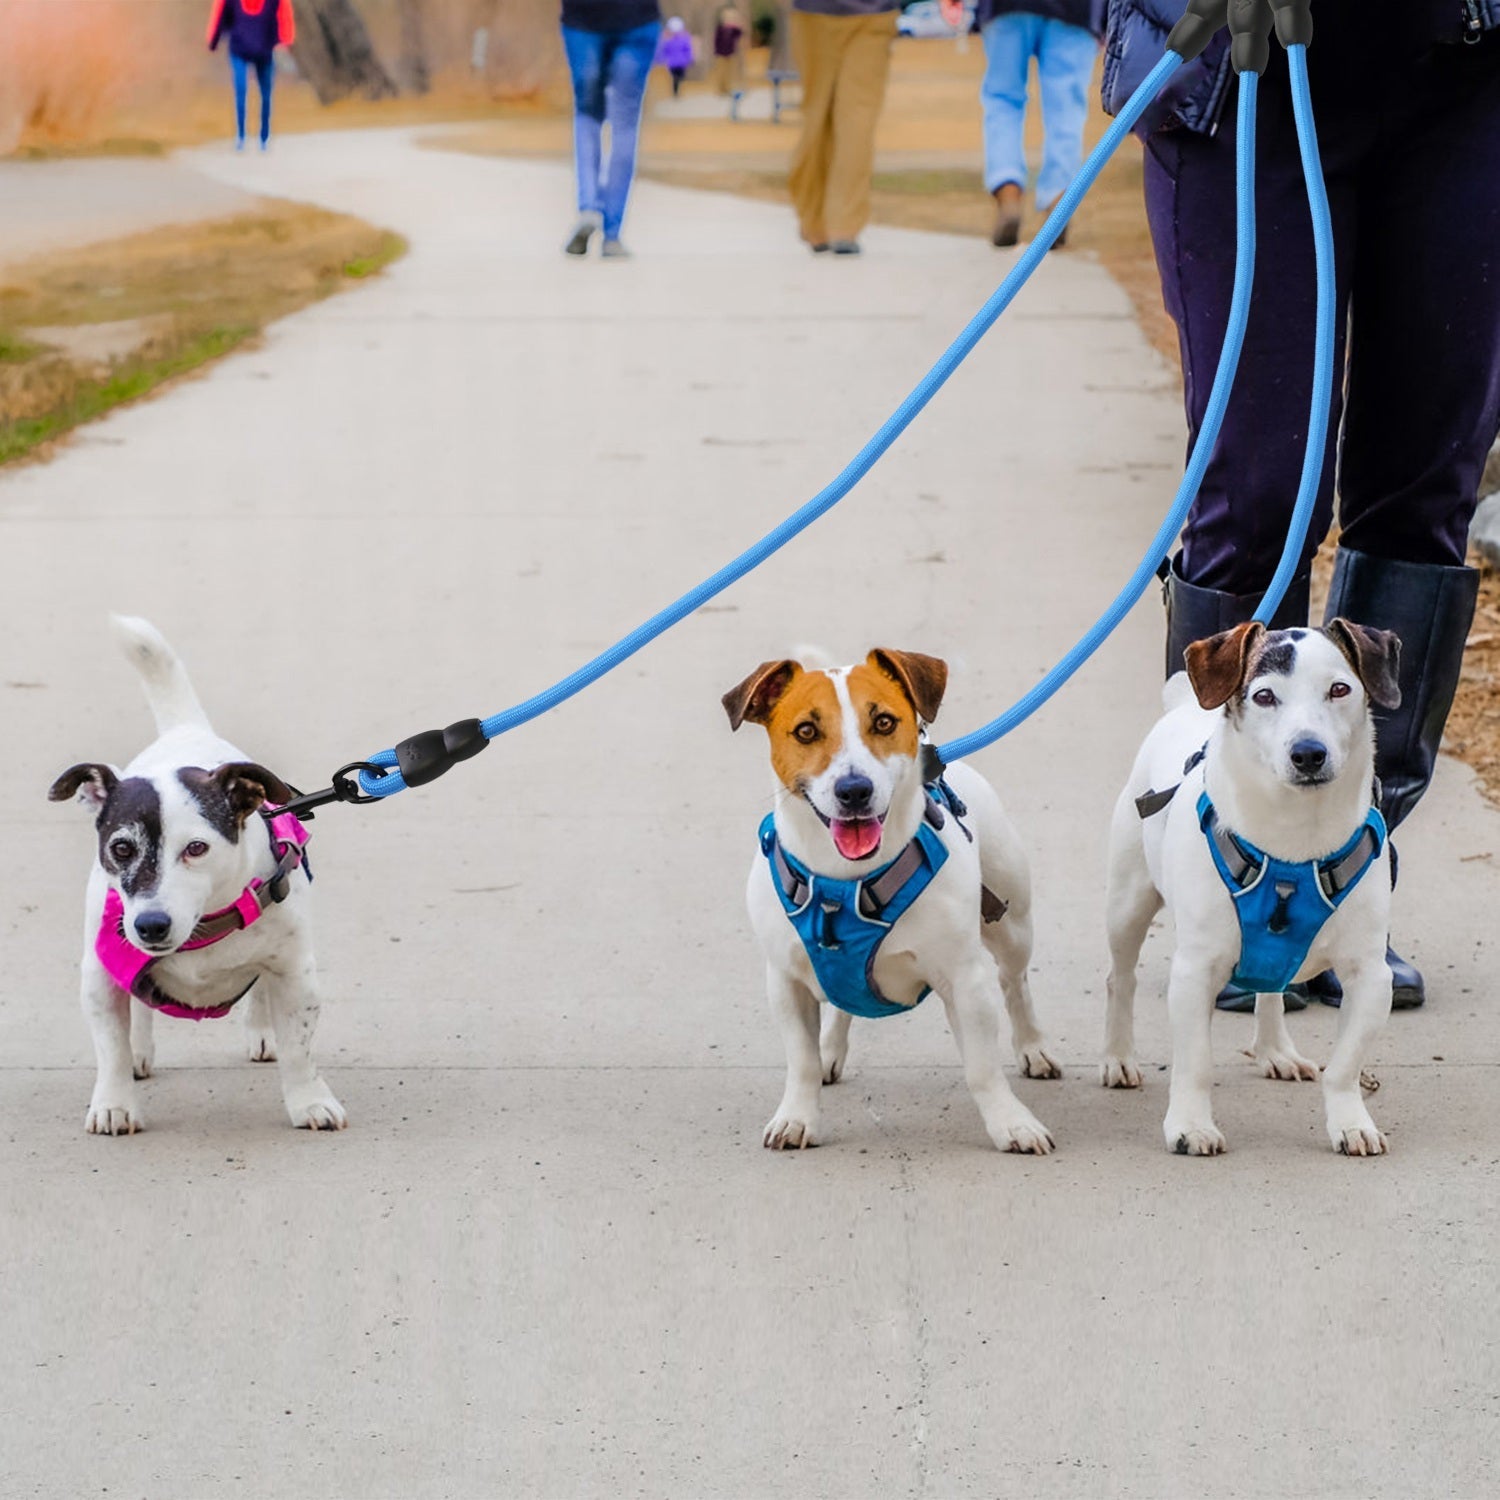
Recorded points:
676,52
255,29
729,61
610,45
842,49
1063,36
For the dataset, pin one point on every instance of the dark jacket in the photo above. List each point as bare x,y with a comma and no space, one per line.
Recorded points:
609,15
1136,32
254,27
1088,14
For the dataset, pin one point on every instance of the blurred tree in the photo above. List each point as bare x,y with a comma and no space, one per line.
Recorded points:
334,52
412,70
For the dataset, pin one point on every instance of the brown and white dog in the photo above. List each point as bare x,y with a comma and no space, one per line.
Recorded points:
850,799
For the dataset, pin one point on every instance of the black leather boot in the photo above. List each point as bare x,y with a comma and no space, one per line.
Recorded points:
1194,613
1430,607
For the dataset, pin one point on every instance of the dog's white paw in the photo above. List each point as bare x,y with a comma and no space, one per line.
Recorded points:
1034,1062
260,1044
143,1063
122,1117
785,1132
1023,1133
1354,1133
1120,1073
1193,1137
315,1108
1287,1065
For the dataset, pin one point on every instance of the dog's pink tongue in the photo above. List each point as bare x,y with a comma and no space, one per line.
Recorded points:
856,838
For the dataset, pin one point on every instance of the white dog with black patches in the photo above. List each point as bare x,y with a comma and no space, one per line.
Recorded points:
195,902
868,890
1269,855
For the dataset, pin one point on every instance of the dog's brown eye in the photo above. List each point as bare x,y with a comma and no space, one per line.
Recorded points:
1266,698
883,724
121,850
1340,690
196,850
806,731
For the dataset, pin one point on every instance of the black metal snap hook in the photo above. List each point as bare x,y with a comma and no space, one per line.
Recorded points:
344,788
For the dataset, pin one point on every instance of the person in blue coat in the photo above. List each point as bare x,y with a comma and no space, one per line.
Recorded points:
1407,103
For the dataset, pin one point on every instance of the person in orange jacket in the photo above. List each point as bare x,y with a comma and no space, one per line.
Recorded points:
255,28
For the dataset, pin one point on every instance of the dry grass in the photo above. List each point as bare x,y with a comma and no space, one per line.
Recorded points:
186,294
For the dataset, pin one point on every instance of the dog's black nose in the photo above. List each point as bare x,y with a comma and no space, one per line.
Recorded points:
854,792
153,926
1309,755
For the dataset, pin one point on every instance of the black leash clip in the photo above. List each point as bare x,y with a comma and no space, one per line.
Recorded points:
345,788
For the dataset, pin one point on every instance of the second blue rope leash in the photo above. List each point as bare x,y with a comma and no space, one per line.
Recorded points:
392,781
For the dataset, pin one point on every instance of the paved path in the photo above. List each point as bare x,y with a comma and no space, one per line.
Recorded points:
51,204
549,1256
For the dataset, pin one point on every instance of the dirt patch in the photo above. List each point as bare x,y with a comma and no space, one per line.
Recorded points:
83,331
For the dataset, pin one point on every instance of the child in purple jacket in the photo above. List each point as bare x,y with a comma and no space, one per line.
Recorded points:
676,53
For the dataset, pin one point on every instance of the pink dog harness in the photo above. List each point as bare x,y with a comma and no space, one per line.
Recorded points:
130,968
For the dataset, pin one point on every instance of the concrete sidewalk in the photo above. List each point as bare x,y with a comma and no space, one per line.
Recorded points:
549,1256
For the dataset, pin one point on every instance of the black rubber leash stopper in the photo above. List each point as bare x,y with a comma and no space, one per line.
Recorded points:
426,756
1250,23
1196,29
1294,26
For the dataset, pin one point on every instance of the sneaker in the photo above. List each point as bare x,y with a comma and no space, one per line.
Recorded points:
1007,228
590,222
845,247
614,250
821,248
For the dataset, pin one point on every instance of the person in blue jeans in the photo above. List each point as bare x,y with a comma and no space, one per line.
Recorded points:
610,45
1063,37
255,29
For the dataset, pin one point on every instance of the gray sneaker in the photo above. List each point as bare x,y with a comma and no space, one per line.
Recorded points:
590,222
614,250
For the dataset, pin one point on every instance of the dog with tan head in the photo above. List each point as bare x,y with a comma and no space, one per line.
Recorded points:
1250,813
872,888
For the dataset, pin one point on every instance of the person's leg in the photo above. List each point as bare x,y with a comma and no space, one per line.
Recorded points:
585,52
858,95
1009,41
237,71
677,76
265,77
1424,397
1238,523
815,50
627,70
1065,65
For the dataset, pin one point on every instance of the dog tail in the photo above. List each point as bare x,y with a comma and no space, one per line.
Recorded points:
168,691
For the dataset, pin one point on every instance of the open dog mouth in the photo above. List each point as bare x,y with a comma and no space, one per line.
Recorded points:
854,838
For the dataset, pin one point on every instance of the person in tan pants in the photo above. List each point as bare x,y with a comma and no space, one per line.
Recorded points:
843,52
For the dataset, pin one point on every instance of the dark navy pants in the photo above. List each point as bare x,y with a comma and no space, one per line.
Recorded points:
1410,140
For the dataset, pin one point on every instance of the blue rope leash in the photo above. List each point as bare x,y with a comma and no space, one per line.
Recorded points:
1208,436
375,785
1323,337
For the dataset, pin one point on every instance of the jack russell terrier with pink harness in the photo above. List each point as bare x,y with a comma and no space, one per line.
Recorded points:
871,888
197,901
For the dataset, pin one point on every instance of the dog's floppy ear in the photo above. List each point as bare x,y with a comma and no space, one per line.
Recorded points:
246,786
922,678
753,700
1374,654
1216,667
91,784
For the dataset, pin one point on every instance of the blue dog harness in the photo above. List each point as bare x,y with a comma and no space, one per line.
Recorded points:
1281,905
842,923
